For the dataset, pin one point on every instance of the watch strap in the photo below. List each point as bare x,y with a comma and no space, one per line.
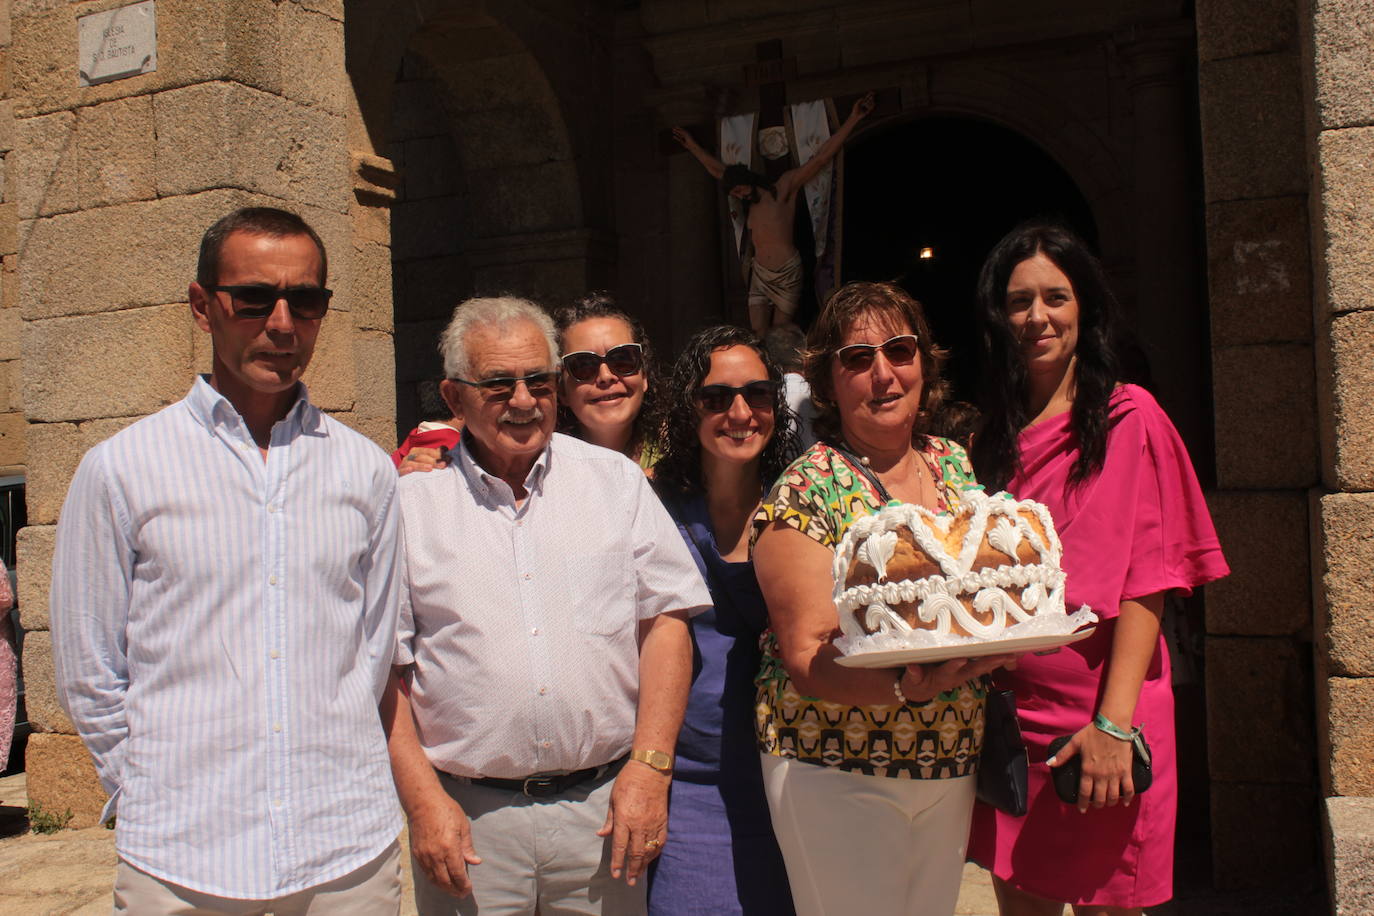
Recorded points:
663,762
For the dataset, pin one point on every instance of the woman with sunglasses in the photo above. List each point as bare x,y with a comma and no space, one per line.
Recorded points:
1059,427
869,772
606,396
725,437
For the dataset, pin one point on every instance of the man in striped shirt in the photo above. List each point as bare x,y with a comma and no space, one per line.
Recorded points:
224,610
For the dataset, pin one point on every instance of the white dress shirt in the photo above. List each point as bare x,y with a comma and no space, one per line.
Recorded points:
222,629
522,623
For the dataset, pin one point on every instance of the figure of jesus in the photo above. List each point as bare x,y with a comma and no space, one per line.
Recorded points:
774,272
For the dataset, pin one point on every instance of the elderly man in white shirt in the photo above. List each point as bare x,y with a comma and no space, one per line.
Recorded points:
544,655
224,605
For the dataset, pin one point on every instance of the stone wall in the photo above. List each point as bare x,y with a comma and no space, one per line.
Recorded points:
1259,620
13,438
1339,75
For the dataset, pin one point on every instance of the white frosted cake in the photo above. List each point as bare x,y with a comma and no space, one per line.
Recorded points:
907,578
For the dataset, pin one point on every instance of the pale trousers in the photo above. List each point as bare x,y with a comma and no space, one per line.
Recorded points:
372,890
868,844
536,853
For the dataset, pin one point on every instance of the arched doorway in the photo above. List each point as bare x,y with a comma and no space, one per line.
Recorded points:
490,185
949,187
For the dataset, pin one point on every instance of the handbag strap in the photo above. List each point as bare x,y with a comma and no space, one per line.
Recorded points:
861,468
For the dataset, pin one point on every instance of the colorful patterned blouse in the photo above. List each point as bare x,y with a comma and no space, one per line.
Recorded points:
821,495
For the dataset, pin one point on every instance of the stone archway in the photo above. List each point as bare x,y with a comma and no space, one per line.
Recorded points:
479,176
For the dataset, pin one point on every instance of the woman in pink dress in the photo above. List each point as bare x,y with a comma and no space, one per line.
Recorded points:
1060,428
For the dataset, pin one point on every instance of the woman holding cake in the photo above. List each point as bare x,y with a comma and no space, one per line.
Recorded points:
869,773
1060,428
606,395
725,437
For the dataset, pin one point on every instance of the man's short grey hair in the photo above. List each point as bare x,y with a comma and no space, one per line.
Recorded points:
491,312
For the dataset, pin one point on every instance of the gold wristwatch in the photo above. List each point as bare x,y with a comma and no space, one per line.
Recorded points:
656,759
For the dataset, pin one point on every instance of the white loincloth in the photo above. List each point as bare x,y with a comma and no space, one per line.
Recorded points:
781,287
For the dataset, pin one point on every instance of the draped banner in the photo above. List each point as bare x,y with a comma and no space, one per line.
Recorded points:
737,147
810,123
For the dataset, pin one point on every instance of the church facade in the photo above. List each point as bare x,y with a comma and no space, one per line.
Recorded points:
1216,152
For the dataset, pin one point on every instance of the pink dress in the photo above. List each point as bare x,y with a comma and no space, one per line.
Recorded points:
9,693
1139,527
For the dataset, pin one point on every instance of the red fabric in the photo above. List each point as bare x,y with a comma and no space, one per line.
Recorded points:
434,438
1140,526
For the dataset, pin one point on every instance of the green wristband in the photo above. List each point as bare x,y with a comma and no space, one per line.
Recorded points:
1134,736
1107,725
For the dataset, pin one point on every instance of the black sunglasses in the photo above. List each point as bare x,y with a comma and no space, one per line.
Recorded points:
759,395
584,365
899,351
307,303
538,384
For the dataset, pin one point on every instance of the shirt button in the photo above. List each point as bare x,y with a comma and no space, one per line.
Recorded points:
548,744
520,523
534,632
275,653
276,803
271,580
272,508
276,726
526,576
543,690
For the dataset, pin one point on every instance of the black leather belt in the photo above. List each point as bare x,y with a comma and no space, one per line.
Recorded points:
542,785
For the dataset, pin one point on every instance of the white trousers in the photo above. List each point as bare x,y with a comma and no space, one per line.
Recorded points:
868,844
372,890
538,855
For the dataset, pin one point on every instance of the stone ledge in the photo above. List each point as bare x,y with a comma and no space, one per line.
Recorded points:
1342,212
1350,854
1344,552
1346,743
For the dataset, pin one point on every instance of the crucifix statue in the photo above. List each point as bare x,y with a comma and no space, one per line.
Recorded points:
772,264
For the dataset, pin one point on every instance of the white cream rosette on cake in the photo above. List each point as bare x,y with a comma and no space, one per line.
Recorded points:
994,576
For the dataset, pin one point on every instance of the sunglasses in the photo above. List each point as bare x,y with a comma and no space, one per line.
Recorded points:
584,365
759,395
306,303
538,384
899,351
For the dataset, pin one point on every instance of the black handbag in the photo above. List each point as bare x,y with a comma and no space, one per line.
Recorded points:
1003,768
1067,775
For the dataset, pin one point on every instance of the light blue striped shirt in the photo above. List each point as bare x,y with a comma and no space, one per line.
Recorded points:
222,629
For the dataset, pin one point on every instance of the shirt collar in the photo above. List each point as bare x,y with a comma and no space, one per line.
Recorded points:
212,409
483,481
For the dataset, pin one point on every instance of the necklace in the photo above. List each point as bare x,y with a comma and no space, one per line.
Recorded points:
925,478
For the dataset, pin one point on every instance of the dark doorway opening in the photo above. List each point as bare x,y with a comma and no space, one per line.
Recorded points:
952,187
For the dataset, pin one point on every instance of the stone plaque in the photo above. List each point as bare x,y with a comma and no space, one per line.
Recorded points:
117,43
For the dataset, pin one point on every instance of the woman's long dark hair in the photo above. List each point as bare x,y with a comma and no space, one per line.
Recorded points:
679,467
602,305
1004,387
